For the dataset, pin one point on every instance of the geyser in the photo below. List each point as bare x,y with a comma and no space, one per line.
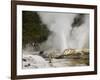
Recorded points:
63,35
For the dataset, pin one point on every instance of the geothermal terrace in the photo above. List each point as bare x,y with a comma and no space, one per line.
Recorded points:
68,58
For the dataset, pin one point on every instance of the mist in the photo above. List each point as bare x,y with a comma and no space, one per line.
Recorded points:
67,31
64,36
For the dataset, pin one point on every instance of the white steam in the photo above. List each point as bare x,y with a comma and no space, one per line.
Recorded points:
63,37
60,25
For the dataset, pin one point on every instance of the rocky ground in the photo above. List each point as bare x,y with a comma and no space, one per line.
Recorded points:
69,58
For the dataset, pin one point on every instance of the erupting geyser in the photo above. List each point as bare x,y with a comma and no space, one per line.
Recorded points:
67,31
60,24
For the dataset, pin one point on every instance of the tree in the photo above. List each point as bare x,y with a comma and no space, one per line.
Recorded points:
32,29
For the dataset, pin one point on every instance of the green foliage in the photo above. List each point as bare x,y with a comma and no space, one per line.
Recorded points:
33,29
